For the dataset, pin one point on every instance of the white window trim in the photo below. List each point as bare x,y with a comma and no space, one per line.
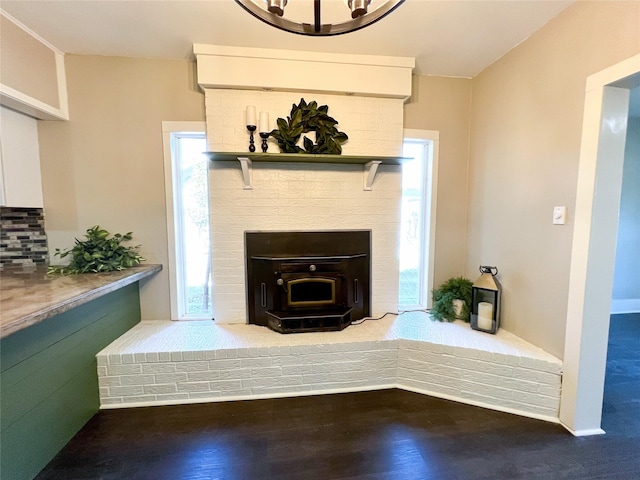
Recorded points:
431,196
175,276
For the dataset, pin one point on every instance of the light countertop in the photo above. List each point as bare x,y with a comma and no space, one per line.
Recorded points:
28,295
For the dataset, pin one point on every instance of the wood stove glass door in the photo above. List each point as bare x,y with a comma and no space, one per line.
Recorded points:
311,292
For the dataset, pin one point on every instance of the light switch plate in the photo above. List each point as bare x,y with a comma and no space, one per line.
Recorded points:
559,215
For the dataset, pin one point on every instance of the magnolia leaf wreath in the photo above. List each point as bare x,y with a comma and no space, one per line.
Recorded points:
305,118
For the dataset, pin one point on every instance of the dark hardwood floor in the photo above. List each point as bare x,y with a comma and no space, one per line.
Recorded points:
388,434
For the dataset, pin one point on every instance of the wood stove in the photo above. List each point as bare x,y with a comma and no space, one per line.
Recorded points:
308,281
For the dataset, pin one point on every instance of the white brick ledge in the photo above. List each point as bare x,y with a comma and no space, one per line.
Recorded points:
165,363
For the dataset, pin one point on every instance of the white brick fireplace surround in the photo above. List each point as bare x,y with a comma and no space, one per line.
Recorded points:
161,363
302,196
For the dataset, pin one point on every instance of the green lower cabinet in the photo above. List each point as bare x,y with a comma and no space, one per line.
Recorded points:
49,382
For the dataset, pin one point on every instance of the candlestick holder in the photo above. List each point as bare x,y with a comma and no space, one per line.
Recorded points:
252,145
264,136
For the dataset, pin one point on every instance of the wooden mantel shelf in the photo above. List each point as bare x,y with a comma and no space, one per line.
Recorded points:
370,162
304,158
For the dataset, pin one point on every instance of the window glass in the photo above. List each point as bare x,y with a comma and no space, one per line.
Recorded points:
412,245
194,228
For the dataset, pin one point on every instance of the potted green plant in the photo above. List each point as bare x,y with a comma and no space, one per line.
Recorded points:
98,253
451,300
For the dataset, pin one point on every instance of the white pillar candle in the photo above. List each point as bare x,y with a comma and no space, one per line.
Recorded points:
264,122
485,315
250,115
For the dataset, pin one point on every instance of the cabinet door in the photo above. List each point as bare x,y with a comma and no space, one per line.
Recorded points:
20,179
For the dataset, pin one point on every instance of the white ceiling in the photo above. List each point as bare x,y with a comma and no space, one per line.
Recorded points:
446,37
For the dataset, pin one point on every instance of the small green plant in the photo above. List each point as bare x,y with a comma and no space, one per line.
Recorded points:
98,253
458,288
305,118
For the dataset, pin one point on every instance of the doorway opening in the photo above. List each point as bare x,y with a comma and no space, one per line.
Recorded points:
594,244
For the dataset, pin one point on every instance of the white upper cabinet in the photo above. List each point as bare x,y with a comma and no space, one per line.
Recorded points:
20,178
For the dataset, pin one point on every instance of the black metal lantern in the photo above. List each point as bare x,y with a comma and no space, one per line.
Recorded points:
485,301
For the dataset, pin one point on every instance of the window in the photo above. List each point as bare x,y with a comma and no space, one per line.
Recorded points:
187,202
418,219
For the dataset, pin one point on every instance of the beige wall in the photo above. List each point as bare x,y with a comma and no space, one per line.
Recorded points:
105,166
443,104
526,122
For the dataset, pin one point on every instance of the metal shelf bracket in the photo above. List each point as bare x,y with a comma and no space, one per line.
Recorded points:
247,169
370,171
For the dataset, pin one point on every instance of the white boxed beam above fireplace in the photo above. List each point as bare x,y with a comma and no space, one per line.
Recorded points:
288,70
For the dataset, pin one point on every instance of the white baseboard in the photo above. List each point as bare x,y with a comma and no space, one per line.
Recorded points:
625,305
156,403
467,401
584,433
213,398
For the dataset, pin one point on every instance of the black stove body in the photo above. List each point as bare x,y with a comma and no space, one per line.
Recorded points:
308,281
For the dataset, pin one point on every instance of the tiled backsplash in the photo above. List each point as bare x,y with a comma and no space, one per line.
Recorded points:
22,236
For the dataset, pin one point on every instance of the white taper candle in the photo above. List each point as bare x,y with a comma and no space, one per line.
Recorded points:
250,115
264,122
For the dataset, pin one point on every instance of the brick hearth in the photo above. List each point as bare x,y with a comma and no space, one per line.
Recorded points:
160,363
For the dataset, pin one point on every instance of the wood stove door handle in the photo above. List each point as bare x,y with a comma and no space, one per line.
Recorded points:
355,290
263,295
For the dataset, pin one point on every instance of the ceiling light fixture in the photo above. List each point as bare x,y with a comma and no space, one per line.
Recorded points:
362,13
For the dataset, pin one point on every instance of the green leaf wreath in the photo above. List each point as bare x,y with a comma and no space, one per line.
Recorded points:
305,118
